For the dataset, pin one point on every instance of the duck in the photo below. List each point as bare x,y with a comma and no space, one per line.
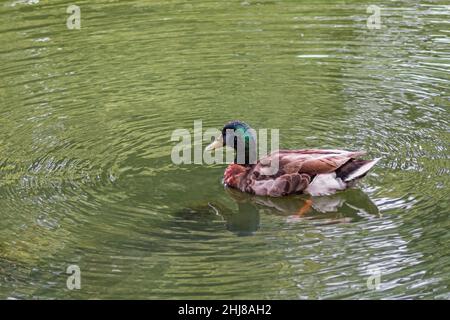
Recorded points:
314,172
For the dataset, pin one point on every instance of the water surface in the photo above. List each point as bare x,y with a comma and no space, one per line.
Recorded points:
86,176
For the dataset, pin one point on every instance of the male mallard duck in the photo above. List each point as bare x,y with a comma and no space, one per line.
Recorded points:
310,171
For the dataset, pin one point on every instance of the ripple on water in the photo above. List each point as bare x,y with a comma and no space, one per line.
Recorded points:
85,170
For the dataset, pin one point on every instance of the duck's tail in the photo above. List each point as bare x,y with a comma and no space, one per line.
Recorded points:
355,169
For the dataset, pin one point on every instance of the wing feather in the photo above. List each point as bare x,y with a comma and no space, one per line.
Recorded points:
296,168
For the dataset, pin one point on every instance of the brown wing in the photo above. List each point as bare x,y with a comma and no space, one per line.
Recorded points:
295,170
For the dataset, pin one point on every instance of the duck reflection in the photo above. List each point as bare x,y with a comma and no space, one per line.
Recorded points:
352,205
243,218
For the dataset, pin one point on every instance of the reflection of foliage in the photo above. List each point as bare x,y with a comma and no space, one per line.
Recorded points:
33,244
97,106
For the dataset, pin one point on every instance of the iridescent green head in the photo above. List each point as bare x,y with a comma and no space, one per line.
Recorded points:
239,136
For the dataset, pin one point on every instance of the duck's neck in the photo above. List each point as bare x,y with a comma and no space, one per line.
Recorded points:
245,150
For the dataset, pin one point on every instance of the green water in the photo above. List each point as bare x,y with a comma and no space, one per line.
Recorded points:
86,176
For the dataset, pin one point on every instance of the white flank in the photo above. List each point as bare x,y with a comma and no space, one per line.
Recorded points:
325,184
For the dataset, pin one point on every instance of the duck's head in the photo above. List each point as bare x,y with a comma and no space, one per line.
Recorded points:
239,136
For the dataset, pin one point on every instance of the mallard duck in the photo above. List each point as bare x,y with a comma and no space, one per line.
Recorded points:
315,172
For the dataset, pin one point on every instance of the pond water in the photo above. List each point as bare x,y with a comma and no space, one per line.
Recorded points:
86,176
